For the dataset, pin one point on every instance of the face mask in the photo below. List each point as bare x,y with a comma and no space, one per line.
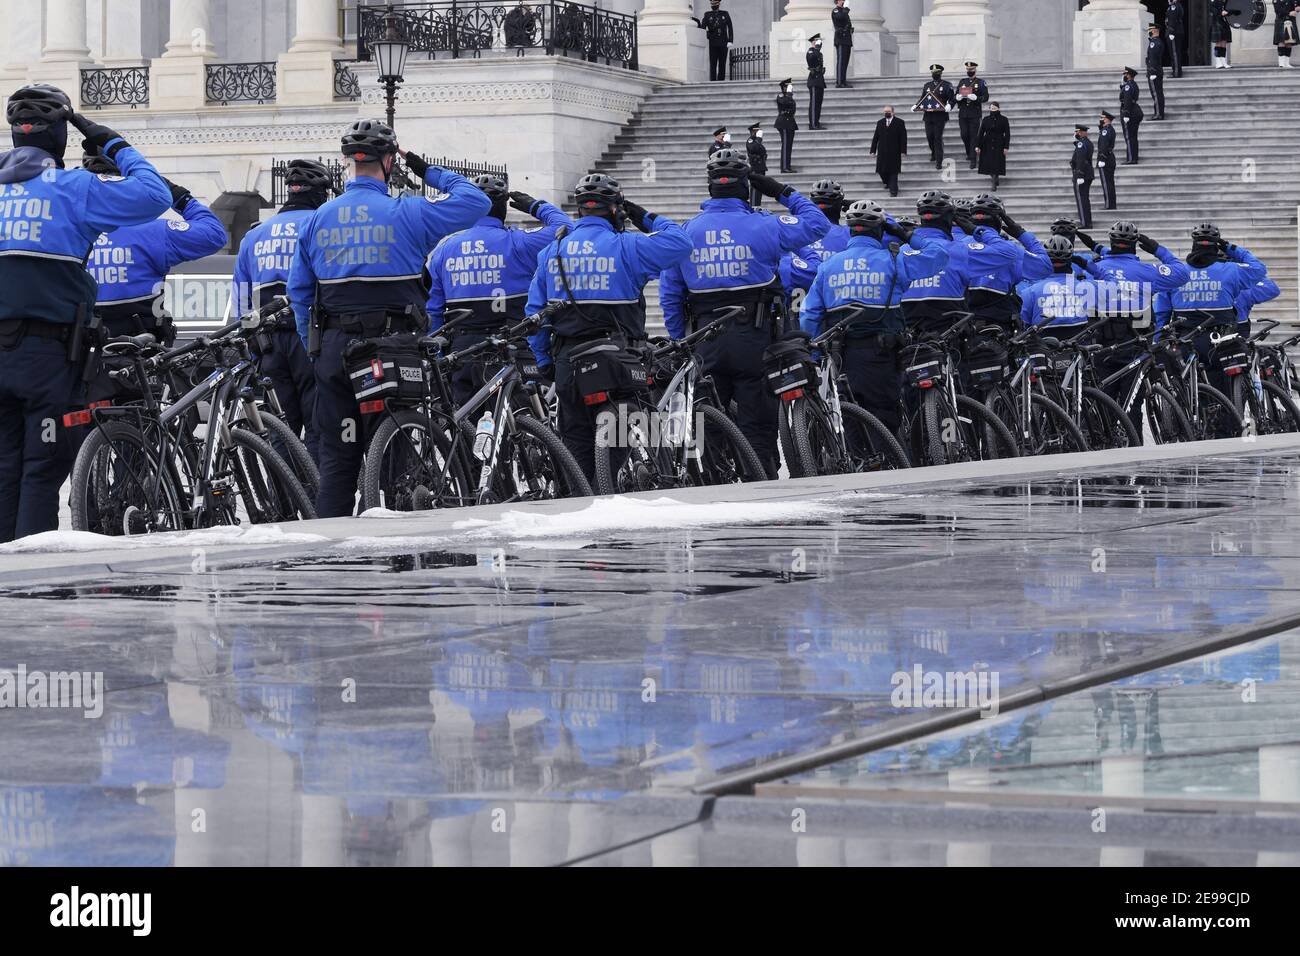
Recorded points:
935,76
889,116
995,110
970,72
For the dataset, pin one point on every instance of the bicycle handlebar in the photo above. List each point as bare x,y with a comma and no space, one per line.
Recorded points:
699,335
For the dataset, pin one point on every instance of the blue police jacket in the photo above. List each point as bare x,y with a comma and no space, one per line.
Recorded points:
265,256
488,269
1062,300
1264,290
969,257
1128,285
736,249
603,272
50,218
1212,290
131,263
1029,261
799,268
364,251
863,275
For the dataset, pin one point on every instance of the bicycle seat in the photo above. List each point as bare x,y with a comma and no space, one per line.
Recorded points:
131,343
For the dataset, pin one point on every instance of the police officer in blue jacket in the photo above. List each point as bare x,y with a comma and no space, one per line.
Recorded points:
1066,299
1220,271
991,295
50,217
598,271
867,280
262,273
131,263
358,272
799,268
488,269
735,259
1265,290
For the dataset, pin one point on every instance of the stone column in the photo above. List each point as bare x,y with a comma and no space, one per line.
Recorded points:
903,21
788,42
65,51
670,43
123,39
1111,34
959,30
177,79
304,74
875,49
21,42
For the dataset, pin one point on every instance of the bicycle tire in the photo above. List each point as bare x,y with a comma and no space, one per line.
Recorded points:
721,430
1096,398
931,439
1061,420
653,473
283,498
808,425
1239,392
1232,423
880,438
425,487
1005,406
993,428
786,440
118,502
570,481
1288,405
298,457
1173,417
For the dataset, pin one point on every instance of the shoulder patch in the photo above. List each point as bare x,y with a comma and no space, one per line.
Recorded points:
109,178
1164,270
438,198
180,225
977,245
799,263
908,251
789,220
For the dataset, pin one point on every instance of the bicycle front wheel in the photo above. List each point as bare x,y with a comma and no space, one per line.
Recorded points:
535,466
723,455
815,443
1051,430
1219,419
411,467
629,457
871,446
119,487
268,490
1104,423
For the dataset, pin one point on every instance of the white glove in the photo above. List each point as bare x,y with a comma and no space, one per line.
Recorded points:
1081,181
1101,163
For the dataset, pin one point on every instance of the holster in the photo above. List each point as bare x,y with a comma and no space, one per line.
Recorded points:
94,357
313,332
77,340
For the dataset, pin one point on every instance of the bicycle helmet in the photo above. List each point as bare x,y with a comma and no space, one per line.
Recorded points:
37,107
987,209
1125,232
100,165
369,141
826,192
1059,248
596,190
494,187
307,175
1064,227
865,214
1206,234
934,204
727,166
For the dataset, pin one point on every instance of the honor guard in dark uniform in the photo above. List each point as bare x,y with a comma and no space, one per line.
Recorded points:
50,218
1221,32
1081,175
757,154
716,25
843,24
1286,30
1175,24
1130,115
972,94
1156,71
358,273
816,81
1106,158
936,102
721,140
786,124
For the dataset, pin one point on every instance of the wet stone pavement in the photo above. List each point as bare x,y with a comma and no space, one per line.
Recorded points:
669,694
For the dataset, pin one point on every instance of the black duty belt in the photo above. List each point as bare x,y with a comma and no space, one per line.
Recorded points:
37,328
370,324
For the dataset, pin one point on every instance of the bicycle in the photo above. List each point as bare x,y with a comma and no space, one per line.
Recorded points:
143,469
1097,415
1262,384
820,434
1210,412
423,456
1021,400
707,447
944,425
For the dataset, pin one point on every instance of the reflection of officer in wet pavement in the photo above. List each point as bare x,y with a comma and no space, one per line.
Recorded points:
49,296
357,273
738,253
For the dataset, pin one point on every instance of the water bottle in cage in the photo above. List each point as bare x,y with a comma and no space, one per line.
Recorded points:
675,427
484,437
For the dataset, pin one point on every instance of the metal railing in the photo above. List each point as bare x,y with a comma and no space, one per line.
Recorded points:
456,29
402,179
346,84
227,83
749,63
115,86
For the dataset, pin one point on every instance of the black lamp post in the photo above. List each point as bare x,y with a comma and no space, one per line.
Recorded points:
390,55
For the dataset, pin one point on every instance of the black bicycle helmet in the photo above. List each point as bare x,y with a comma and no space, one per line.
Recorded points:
596,190
1206,234
933,204
864,213
1064,227
826,192
1059,248
37,107
727,166
307,175
986,208
1124,232
962,203
494,187
908,221
369,141
100,165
